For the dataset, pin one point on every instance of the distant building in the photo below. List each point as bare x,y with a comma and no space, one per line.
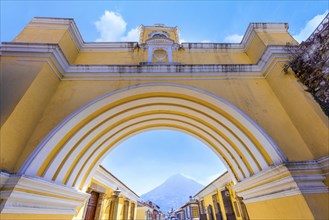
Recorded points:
218,201
179,214
190,210
148,211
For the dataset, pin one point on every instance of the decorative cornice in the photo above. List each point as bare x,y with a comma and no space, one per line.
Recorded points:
23,194
65,71
218,183
111,181
284,180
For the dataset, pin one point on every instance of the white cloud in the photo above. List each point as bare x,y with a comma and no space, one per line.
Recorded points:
133,35
310,26
112,27
234,38
205,41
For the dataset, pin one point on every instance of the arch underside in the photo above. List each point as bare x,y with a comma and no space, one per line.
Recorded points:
72,151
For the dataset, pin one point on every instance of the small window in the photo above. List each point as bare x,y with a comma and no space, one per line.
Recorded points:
159,36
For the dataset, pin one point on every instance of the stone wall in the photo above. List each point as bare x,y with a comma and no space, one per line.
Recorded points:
310,63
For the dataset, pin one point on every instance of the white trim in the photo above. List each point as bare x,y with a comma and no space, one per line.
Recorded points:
24,194
282,181
3,178
323,163
102,176
31,166
234,166
146,72
214,186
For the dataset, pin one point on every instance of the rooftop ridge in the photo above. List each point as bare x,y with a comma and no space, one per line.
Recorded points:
104,46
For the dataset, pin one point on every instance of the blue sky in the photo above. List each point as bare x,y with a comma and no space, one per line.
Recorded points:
152,157
215,21
146,160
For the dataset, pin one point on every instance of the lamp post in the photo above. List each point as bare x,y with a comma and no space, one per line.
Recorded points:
117,192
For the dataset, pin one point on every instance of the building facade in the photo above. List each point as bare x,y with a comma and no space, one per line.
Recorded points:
218,201
109,199
189,211
66,103
149,211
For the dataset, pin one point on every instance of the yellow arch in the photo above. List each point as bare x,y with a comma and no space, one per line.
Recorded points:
69,153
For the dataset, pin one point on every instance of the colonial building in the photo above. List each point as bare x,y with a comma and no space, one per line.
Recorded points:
149,211
218,201
66,103
110,199
189,211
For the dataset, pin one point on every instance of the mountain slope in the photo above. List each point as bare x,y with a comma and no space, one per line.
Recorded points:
173,193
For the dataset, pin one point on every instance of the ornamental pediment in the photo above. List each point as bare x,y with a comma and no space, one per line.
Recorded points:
159,41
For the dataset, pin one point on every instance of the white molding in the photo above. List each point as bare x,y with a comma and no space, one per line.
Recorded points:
109,180
323,163
33,163
220,182
65,71
24,194
282,181
3,178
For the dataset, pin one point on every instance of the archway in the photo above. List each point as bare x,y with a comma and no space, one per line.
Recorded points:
148,159
70,154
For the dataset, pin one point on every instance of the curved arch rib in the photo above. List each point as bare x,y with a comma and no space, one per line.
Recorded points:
72,149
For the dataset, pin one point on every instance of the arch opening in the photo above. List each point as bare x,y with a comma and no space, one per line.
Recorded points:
147,159
71,152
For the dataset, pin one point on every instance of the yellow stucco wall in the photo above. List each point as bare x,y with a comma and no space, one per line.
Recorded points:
182,56
276,38
255,49
141,213
318,204
254,96
111,58
41,35
26,110
290,207
68,47
220,56
305,114
16,77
